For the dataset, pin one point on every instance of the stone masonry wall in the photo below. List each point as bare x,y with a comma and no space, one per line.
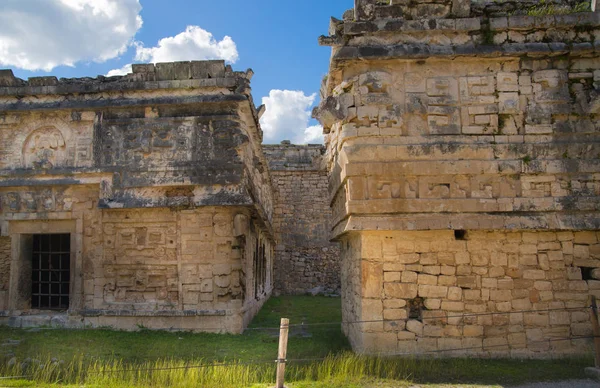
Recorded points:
160,260
160,180
5,253
306,261
430,287
462,146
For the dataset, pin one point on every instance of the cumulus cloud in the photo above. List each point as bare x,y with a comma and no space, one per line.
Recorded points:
41,35
192,44
122,71
287,118
313,135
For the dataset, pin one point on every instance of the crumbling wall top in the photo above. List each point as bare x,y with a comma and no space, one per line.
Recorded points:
171,75
410,9
365,10
411,29
292,157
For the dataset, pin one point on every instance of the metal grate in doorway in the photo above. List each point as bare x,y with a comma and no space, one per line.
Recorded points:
50,277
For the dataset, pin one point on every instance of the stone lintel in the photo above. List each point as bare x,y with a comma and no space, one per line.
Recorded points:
53,177
122,103
425,51
432,25
505,221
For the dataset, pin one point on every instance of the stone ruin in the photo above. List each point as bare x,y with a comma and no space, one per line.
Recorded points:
135,200
306,260
464,157
460,181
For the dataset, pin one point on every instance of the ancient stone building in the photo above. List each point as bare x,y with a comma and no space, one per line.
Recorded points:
135,200
463,147
306,261
460,180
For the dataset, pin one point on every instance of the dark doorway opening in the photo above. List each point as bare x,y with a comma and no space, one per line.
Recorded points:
260,269
51,271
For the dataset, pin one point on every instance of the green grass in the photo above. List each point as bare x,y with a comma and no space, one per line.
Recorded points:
543,9
147,345
106,358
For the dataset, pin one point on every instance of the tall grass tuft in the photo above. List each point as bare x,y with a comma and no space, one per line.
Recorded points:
344,369
544,8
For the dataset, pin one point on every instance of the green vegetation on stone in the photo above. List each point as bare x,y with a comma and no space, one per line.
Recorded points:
546,8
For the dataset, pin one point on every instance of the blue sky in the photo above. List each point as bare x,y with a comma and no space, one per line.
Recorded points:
276,38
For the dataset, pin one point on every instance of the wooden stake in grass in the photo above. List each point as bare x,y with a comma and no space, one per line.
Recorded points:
283,340
596,327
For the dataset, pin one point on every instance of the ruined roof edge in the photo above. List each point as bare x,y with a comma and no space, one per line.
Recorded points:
196,74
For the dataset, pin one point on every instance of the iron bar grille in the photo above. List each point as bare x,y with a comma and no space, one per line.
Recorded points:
51,272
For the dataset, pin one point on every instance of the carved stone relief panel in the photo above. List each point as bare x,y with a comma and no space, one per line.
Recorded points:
139,283
147,143
434,187
479,110
45,148
374,88
140,261
443,115
47,199
382,188
433,104
140,243
46,140
551,86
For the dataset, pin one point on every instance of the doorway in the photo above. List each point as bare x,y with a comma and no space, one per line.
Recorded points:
51,271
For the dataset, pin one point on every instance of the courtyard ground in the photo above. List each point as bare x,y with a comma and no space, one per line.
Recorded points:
107,358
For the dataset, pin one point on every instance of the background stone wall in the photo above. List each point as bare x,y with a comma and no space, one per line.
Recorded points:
305,259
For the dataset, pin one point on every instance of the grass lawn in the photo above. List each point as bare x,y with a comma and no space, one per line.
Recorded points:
146,345
105,358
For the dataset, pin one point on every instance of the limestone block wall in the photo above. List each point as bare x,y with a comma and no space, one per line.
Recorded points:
160,262
5,251
354,278
159,178
306,261
431,291
464,178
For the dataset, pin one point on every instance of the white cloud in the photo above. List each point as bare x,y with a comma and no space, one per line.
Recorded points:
192,44
122,71
41,35
313,135
287,118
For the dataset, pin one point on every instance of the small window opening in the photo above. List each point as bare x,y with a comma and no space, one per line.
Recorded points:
415,309
586,273
460,234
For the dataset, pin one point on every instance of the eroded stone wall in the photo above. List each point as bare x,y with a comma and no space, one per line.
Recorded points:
306,261
432,291
463,149
159,178
5,255
163,262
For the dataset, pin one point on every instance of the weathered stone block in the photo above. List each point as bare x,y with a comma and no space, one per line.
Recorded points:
401,290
